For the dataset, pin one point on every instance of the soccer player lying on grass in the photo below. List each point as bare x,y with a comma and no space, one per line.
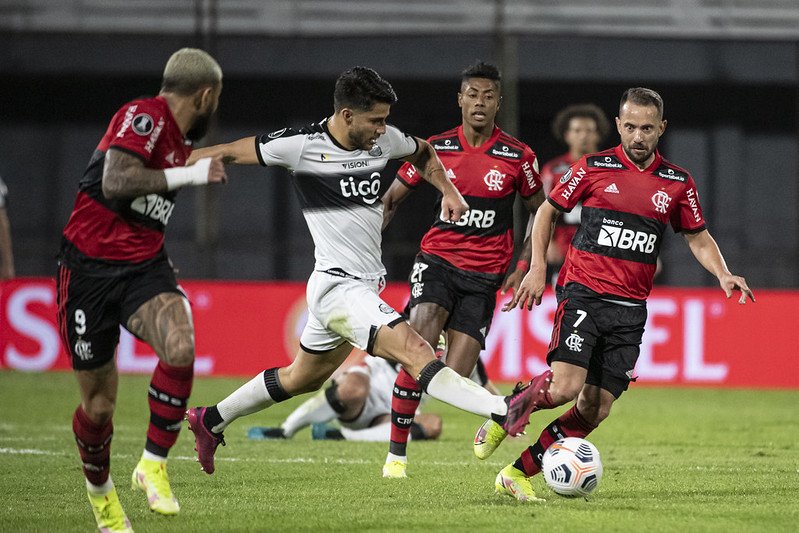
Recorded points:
335,166
630,194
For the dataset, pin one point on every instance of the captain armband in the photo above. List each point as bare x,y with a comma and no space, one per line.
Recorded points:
196,174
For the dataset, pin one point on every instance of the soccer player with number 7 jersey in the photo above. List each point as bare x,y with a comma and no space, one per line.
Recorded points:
630,194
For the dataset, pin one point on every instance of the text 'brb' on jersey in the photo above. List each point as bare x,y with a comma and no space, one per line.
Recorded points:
339,192
625,212
488,177
127,231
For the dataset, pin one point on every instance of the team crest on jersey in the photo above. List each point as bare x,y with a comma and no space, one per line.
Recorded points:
142,124
376,151
566,176
494,180
661,201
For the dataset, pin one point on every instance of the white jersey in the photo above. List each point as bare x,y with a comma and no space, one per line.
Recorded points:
338,191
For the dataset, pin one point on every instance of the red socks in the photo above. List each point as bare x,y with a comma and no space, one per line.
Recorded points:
94,445
168,397
404,403
569,424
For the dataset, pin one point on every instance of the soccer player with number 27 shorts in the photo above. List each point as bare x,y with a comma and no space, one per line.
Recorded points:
461,266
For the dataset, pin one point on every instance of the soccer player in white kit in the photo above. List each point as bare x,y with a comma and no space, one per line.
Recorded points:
335,167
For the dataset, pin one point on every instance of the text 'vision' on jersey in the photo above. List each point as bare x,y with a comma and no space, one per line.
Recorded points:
338,191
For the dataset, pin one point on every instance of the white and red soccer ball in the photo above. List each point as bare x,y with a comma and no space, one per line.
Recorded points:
572,467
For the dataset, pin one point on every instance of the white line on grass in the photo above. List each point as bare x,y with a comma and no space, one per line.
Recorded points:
33,451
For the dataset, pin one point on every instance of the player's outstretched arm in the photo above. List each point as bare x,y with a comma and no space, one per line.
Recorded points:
514,279
426,161
125,176
394,196
532,286
707,252
241,152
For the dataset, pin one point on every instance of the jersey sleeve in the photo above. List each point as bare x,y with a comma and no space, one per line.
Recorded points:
530,176
137,127
408,175
688,216
569,189
399,144
283,148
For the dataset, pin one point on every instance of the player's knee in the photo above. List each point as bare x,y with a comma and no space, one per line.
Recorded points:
179,347
99,409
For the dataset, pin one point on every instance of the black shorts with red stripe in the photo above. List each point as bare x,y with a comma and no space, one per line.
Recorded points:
91,308
469,297
601,333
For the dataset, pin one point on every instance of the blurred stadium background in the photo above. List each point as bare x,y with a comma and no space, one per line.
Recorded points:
727,69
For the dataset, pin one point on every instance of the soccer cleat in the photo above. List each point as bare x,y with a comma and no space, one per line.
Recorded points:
488,438
259,433
395,469
321,431
522,401
513,482
205,442
151,477
108,512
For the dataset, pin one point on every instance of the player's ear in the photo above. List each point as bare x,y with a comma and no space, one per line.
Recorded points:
206,98
347,115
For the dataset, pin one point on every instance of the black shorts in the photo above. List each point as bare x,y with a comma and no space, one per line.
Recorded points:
91,309
468,298
601,336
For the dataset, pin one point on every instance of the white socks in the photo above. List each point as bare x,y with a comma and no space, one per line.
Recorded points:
247,399
316,409
452,388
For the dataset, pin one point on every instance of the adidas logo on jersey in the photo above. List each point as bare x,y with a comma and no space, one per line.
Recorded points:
612,188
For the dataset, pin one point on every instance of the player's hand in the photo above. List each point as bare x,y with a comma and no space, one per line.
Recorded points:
730,283
512,283
216,171
530,290
453,206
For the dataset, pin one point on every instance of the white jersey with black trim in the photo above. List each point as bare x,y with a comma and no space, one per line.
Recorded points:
338,191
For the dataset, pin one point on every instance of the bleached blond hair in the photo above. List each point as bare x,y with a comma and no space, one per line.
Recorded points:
190,69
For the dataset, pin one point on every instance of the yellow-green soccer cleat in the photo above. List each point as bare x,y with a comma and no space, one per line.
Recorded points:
395,469
151,477
488,438
513,482
108,512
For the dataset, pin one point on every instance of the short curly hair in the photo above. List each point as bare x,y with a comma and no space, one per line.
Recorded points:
481,69
591,111
361,88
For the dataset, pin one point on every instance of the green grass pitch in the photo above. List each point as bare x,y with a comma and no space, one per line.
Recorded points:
674,460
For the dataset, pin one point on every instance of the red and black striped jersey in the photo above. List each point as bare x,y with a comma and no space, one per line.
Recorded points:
625,212
488,177
126,233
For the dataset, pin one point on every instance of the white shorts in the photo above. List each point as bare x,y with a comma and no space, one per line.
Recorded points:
382,375
343,309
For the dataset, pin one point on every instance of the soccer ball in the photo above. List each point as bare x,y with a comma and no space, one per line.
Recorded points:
572,467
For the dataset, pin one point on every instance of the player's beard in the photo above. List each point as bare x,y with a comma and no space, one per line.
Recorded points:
635,158
200,127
